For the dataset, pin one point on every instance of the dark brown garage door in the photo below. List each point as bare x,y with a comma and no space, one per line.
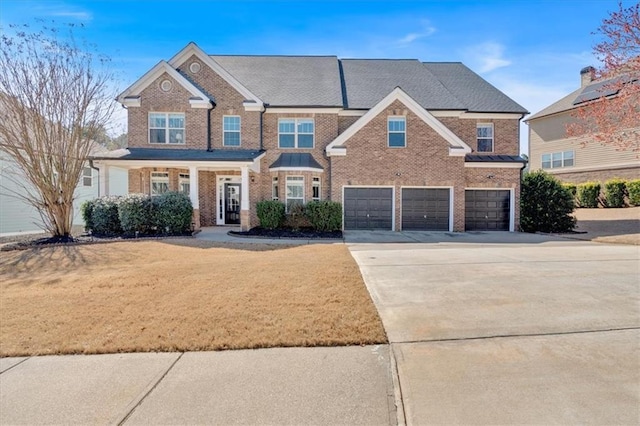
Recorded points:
487,210
425,209
368,208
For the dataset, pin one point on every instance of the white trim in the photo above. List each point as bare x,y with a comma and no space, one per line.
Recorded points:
232,131
131,101
304,190
296,133
494,165
201,101
201,165
167,128
404,132
512,203
562,170
194,187
493,136
457,146
296,169
451,194
220,198
352,112
295,110
393,201
193,49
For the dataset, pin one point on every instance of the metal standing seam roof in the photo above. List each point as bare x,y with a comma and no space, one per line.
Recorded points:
296,160
180,154
493,158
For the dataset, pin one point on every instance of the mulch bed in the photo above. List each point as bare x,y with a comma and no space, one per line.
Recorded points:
302,233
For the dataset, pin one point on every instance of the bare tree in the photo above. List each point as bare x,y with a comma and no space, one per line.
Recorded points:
56,95
611,116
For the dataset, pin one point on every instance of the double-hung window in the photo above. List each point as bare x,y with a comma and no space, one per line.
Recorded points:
315,189
484,133
295,191
166,128
159,183
295,132
183,183
231,130
87,176
557,160
397,132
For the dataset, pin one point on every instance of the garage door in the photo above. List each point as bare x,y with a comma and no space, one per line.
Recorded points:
368,208
487,210
425,209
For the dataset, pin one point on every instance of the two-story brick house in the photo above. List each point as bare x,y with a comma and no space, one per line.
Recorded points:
400,143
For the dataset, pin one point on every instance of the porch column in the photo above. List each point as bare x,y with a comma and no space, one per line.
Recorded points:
103,176
244,199
194,195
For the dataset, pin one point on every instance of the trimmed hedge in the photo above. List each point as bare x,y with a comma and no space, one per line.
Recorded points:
172,213
86,209
271,213
588,194
614,193
633,189
545,204
324,215
136,215
104,218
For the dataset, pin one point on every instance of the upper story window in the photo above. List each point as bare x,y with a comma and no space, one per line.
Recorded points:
159,183
87,176
295,133
484,133
184,184
557,159
166,128
231,130
397,132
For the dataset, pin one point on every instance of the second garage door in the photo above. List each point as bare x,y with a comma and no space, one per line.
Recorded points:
425,209
368,208
487,210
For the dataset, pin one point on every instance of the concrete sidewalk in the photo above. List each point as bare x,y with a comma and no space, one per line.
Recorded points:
341,385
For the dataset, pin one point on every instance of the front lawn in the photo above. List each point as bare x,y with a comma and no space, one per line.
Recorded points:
181,295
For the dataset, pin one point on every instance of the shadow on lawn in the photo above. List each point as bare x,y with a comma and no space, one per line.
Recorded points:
204,244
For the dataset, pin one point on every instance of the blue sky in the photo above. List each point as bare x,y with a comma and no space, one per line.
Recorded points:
531,50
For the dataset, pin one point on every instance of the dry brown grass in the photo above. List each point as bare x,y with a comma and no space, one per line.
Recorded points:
181,295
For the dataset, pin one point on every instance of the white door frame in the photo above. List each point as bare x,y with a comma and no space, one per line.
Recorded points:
220,195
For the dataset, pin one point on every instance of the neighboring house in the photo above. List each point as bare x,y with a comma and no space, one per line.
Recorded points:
565,157
400,143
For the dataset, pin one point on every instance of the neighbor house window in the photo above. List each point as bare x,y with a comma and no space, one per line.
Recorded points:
557,160
274,189
295,191
183,183
87,176
397,132
295,133
159,183
315,189
484,133
166,128
231,130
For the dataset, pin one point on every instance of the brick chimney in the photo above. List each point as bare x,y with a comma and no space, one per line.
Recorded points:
587,75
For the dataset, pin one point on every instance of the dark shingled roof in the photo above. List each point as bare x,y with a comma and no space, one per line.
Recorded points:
493,158
296,160
181,154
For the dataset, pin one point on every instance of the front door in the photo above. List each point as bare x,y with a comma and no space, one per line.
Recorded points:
232,203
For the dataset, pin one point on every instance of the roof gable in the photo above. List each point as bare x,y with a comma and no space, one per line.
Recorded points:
456,146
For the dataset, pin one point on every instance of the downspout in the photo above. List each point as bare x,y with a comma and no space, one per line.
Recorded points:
213,105
261,130
98,170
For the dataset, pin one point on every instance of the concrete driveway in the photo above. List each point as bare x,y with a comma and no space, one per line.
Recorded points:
501,328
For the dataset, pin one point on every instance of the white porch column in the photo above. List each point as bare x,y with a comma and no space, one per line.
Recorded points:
244,192
103,176
193,187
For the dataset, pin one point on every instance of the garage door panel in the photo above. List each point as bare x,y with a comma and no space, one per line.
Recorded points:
487,210
368,208
425,209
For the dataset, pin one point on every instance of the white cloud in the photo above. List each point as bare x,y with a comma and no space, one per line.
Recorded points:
80,16
426,31
487,56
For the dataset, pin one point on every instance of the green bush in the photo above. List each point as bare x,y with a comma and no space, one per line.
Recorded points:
136,214
571,187
633,188
172,213
545,205
297,218
86,209
614,193
270,214
588,194
104,216
324,215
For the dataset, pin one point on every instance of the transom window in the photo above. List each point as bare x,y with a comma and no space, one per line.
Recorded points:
231,130
159,183
315,189
484,133
295,191
87,176
557,160
183,183
166,128
295,133
397,133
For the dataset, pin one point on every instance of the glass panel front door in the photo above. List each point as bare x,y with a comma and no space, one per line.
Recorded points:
232,203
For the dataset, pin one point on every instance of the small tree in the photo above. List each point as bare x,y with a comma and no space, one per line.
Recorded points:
545,205
55,98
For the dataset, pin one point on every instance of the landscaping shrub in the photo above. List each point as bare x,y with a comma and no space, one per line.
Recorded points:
587,194
545,204
297,218
633,188
104,216
86,209
271,214
136,214
172,213
614,193
324,215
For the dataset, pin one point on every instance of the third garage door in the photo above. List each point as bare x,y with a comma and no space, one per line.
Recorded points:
487,210
425,209
368,208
